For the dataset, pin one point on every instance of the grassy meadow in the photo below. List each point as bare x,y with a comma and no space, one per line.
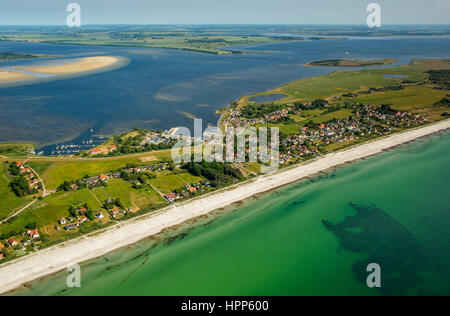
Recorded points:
411,98
9,201
341,82
13,150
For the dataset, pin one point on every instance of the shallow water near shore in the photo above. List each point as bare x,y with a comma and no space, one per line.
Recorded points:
311,238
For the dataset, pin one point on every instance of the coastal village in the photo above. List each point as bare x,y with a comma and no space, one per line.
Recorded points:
112,208
311,139
137,176
132,174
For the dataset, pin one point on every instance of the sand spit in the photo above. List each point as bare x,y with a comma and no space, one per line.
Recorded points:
58,258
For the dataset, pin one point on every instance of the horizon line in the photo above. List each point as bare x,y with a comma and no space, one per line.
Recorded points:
232,24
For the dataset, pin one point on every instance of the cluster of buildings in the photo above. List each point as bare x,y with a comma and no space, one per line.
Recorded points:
23,240
187,191
153,138
33,181
72,223
172,197
236,120
104,151
114,208
92,181
150,138
97,181
368,121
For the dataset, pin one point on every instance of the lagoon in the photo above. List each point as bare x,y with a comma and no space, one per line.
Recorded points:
165,88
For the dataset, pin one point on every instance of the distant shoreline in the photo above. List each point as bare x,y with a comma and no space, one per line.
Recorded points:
352,63
48,261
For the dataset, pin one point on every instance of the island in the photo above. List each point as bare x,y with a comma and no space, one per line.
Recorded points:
19,56
352,62
213,40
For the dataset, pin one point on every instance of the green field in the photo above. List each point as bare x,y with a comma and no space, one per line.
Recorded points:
9,201
189,178
49,210
339,83
183,40
168,183
41,166
408,99
316,116
55,173
342,82
253,166
130,198
15,150
286,129
58,172
325,117
352,62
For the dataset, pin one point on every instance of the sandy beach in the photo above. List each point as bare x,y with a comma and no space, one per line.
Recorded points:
86,64
9,76
58,258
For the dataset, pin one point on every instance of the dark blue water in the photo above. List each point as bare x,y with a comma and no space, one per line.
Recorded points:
159,86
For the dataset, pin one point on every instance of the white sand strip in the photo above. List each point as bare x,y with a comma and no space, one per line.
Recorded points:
8,76
57,258
86,64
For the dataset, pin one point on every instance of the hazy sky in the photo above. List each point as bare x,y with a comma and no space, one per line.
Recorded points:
49,12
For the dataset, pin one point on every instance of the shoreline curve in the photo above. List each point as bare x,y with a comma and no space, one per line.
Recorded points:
57,258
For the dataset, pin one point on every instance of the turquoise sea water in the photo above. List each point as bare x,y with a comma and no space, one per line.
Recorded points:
311,238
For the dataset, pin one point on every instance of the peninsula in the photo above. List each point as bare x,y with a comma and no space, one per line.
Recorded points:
61,210
19,56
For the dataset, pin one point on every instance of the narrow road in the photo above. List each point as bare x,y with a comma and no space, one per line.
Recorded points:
19,211
240,166
95,197
159,192
45,192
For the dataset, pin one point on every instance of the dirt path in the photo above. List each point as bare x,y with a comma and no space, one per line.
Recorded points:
240,166
45,192
159,192
19,211
95,197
